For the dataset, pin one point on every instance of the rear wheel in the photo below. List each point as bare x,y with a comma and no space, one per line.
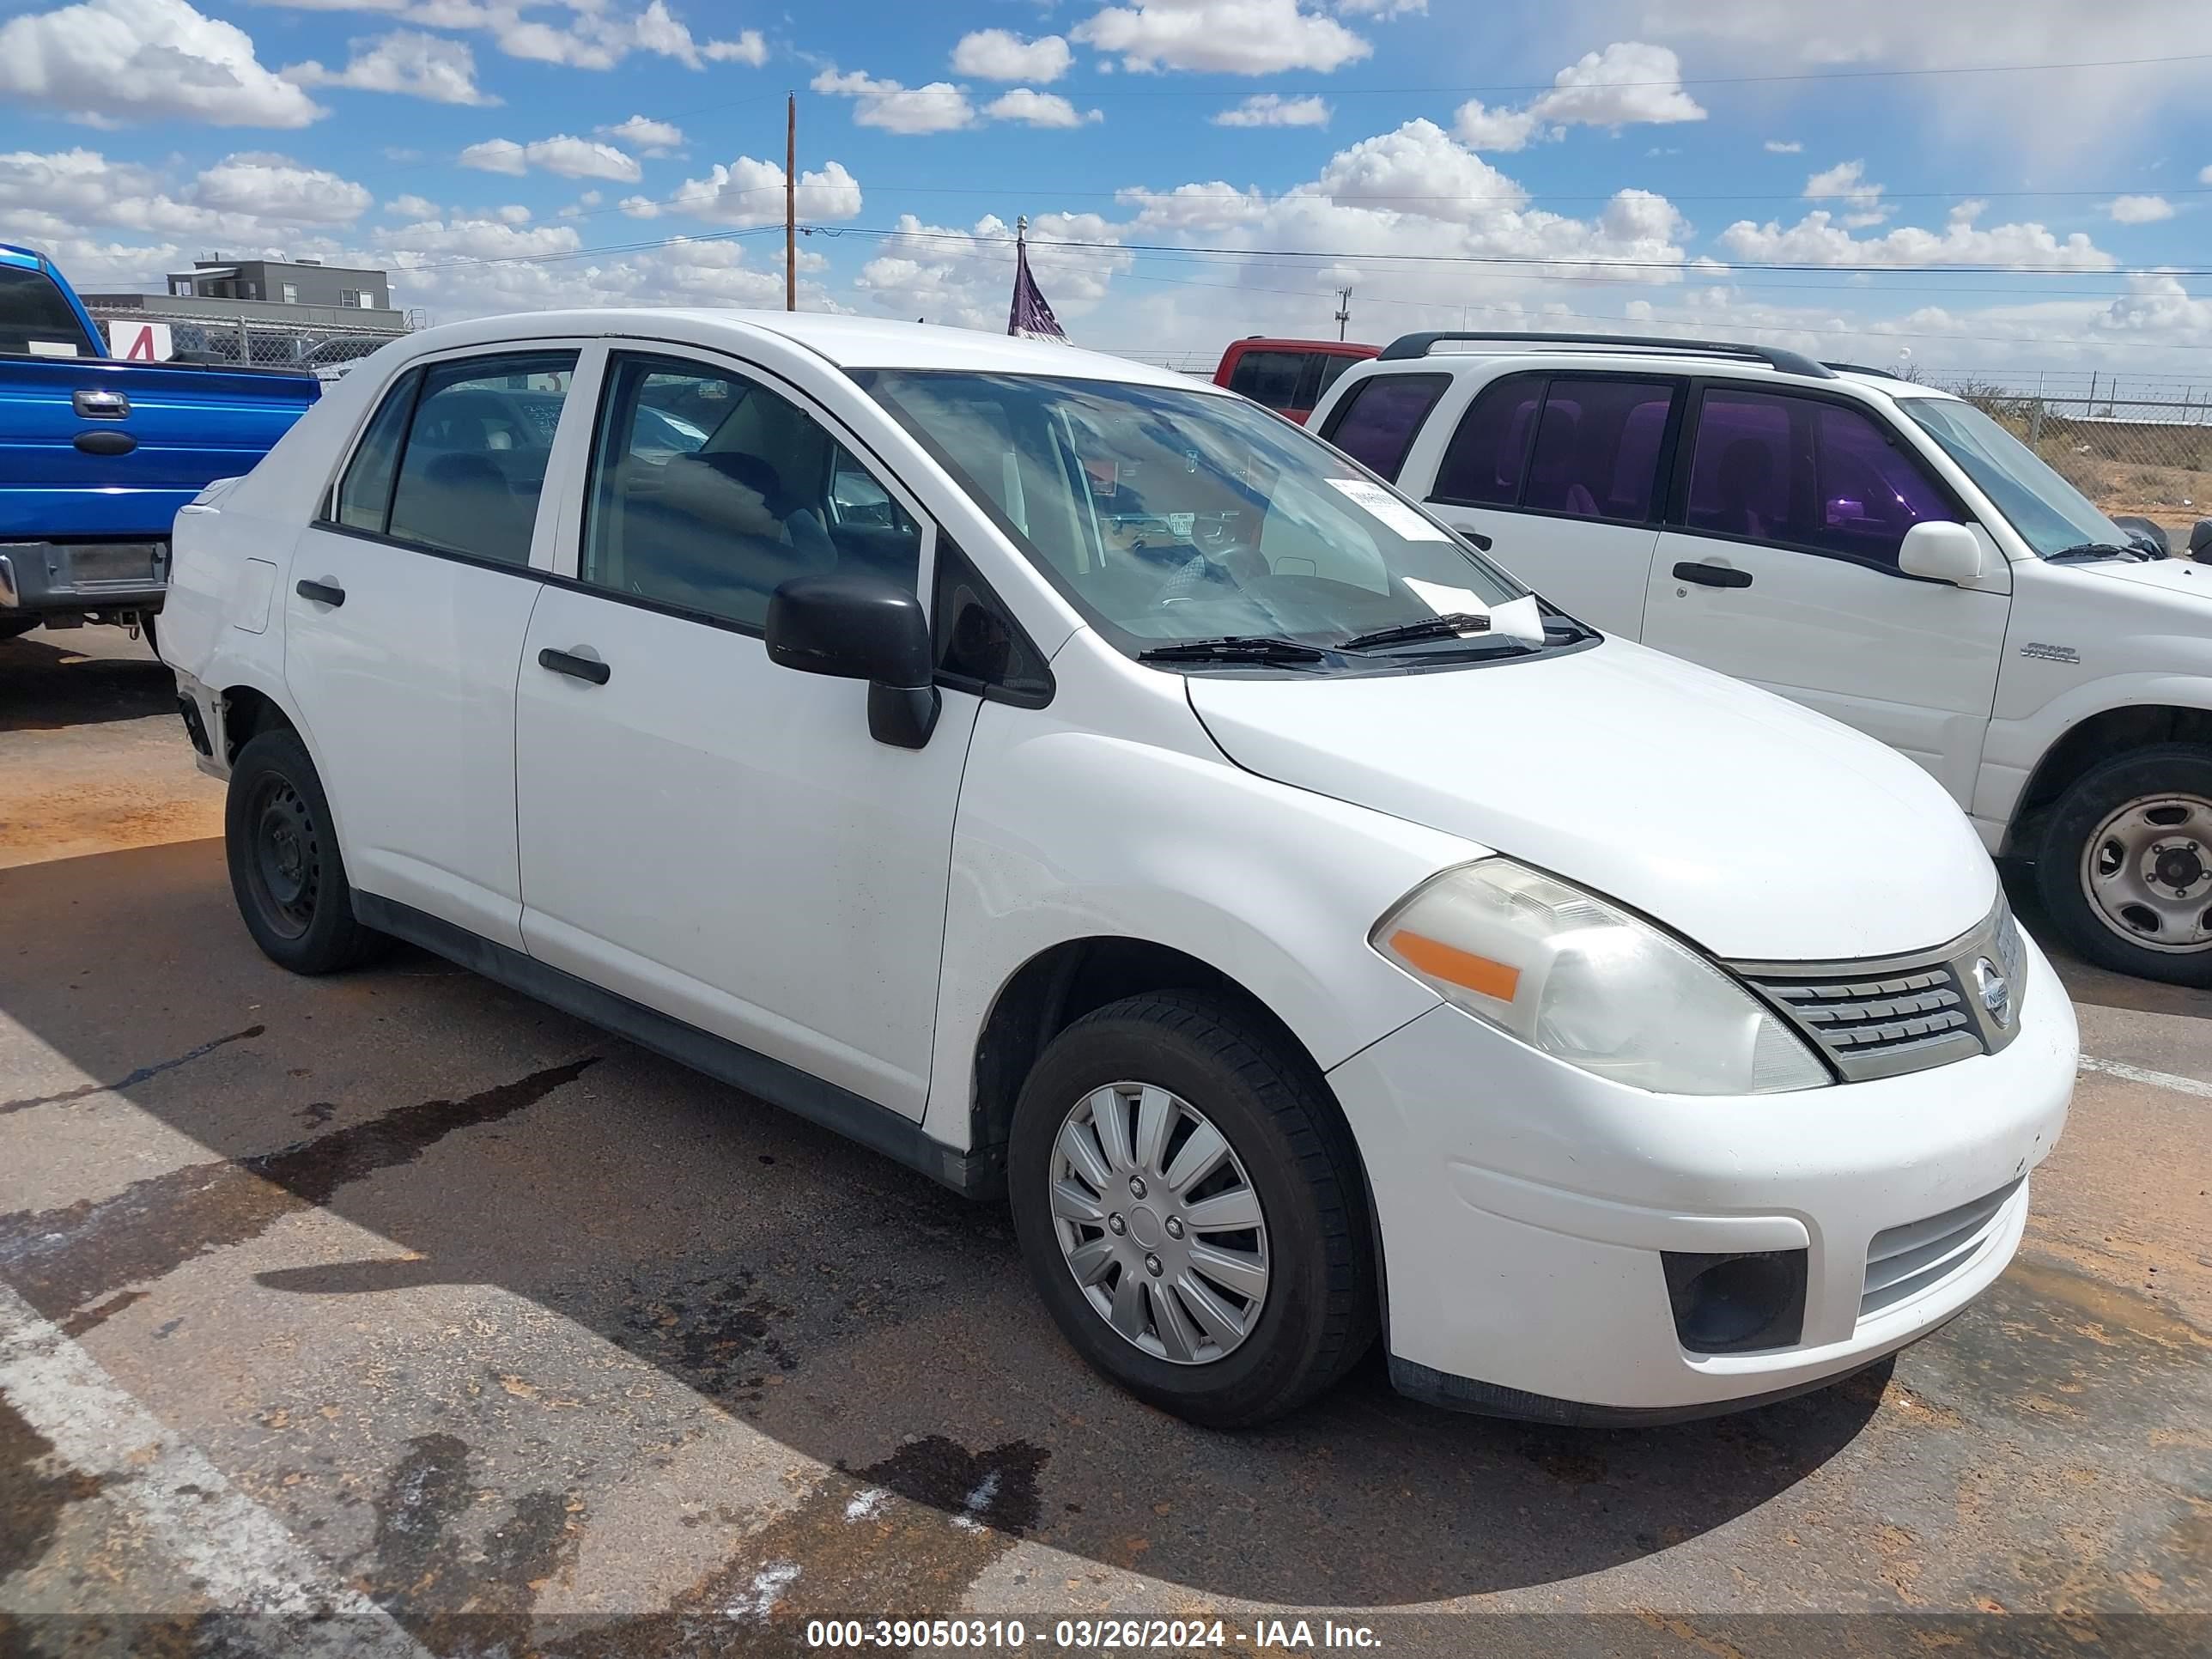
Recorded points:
12,626
2125,864
285,870
1190,1206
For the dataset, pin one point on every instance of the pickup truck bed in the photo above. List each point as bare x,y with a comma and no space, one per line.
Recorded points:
96,455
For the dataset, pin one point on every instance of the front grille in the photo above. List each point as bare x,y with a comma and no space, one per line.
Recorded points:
1898,1016
1903,1261
1879,1017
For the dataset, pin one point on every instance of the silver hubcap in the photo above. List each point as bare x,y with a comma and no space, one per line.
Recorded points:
2148,872
1159,1223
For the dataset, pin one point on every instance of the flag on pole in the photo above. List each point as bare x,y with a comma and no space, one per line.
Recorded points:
1030,316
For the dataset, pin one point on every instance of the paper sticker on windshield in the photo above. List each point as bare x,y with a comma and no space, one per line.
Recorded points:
1389,508
1446,600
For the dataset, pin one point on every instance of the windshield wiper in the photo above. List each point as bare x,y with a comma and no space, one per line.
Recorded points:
1456,624
1233,647
2085,551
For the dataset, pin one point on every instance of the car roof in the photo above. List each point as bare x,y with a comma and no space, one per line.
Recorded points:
846,342
1334,348
1709,365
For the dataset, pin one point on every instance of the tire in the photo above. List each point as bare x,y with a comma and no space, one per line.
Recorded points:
11,627
1289,1151
285,869
2130,807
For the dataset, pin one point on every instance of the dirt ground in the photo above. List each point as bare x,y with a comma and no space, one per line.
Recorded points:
395,1313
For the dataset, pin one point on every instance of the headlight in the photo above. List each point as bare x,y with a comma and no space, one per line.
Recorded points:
1568,973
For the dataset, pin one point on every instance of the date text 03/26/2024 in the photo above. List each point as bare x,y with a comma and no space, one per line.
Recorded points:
1087,1634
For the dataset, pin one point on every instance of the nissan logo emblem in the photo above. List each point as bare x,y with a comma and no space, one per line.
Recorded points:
1996,995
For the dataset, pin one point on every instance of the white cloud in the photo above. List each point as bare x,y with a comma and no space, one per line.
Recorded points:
514,214
1038,109
1228,37
2205,177
939,107
1784,147
1002,55
2139,210
106,62
1270,109
404,61
748,192
966,277
1482,128
1193,207
1629,84
412,207
747,48
1818,240
570,157
645,134
594,34
1847,182
278,189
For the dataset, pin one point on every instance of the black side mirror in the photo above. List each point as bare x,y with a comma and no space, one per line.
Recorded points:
861,627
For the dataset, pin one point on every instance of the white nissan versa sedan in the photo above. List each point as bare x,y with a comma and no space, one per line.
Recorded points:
1083,786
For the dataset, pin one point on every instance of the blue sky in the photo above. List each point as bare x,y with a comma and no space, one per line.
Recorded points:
1859,179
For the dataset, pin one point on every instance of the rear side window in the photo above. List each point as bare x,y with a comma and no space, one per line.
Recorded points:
364,497
36,320
1378,421
1269,377
1488,453
477,451
1806,473
1596,454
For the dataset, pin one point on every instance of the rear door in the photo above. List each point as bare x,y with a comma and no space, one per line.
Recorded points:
405,621
1564,471
1779,566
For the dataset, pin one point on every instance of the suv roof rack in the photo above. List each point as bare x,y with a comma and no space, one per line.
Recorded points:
1869,369
1788,363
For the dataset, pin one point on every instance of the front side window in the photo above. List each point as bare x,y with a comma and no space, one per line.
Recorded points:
2050,515
1269,378
1376,424
474,466
1807,473
709,491
1168,515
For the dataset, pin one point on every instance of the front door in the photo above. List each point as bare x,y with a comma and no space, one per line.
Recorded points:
404,630
702,831
1562,472
1779,567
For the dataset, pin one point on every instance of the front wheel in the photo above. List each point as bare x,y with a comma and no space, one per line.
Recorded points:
1191,1208
285,870
2124,865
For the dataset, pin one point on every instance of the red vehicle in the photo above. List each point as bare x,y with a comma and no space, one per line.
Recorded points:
1288,376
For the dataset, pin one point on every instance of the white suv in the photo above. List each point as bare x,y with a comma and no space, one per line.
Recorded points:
1090,790
1881,551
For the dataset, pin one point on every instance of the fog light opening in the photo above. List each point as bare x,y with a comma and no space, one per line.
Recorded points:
1734,1302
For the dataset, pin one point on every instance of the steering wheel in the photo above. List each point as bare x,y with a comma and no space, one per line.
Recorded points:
1218,564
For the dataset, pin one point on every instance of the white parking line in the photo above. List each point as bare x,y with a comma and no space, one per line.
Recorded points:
247,1563
2120,1068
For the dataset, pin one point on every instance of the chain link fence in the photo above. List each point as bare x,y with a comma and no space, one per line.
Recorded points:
256,341
2142,458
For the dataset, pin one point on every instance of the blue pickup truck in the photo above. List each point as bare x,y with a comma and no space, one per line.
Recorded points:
96,455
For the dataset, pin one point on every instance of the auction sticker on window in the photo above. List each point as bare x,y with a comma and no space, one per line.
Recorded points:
1389,508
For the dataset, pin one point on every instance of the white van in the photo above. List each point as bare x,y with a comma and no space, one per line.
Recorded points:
1090,790
1879,550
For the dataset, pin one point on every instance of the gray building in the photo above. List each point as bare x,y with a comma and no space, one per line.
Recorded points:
300,283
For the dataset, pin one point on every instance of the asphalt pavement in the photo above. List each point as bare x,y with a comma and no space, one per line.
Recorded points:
394,1313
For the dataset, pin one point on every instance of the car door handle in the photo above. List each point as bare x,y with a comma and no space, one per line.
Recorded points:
575,667
321,593
100,406
1713,575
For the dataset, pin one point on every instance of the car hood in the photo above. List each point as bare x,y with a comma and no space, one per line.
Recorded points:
2167,575
1761,830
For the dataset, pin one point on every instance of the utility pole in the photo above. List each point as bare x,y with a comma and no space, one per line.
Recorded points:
1343,310
791,200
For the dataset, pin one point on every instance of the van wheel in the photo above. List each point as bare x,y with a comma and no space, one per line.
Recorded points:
2125,864
1190,1204
285,870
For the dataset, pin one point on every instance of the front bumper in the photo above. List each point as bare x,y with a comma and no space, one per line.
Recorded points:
99,576
1526,1209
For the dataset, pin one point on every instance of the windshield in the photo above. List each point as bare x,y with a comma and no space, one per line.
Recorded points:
2050,514
36,320
1169,516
